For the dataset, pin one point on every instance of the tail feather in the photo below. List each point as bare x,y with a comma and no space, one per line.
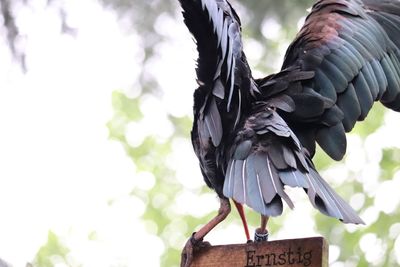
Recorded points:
330,202
250,182
256,183
294,178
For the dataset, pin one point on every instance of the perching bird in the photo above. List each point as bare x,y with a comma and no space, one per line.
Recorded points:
253,137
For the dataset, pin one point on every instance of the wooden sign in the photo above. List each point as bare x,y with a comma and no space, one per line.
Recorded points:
312,252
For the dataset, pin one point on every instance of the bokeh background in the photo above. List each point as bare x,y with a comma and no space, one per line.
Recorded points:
96,166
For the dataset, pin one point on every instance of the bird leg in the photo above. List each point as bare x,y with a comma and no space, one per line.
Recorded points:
261,234
239,207
196,241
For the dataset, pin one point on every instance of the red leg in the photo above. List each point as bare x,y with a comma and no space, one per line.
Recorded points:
197,238
239,207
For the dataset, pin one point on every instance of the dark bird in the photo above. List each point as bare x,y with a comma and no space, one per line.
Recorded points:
253,137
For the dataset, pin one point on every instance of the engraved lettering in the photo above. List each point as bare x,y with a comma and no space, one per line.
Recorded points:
282,258
307,258
287,257
299,258
269,256
290,253
249,259
259,258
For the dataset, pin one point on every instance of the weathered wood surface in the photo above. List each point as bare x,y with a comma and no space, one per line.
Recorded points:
312,252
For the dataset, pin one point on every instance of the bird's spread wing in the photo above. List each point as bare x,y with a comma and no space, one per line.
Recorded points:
352,47
222,71
265,157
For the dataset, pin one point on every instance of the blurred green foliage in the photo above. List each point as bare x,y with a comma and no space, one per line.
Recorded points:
53,252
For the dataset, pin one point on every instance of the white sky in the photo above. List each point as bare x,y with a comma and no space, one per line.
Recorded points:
58,168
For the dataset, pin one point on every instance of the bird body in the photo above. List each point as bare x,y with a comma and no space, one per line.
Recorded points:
252,136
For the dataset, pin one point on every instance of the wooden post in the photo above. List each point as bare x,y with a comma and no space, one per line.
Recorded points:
312,252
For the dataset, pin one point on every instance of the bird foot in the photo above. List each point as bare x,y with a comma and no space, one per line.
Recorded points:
260,235
192,245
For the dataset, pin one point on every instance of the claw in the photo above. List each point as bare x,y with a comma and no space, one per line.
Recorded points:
187,254
192,245
196,241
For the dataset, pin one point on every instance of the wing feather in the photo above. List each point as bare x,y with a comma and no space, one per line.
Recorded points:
370,77
353,47
348,103
364,96
335,75
214,123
